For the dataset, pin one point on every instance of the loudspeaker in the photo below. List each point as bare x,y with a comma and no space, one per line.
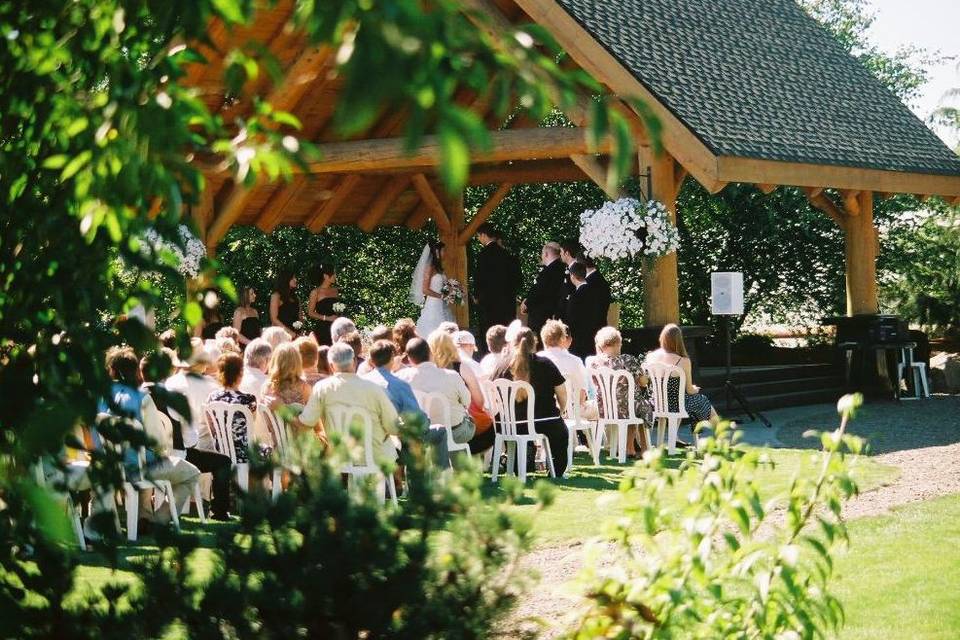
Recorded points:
726,293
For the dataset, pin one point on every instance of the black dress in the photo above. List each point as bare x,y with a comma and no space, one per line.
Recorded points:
544,377
321,328
250,327
289,311
209,331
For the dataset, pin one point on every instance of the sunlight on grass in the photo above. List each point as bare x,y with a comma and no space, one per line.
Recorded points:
900,577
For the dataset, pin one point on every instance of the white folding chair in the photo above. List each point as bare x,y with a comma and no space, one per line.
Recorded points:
660,374
342,418
73,514
504,398
609,389
918,371
576,422
431,401
281,439
195,495
220,417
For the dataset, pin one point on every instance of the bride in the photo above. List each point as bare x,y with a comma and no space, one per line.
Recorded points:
426,288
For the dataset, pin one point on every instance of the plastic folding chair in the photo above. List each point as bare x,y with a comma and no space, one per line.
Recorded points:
342,418
281,438
660,374
428,402
504,398
611,384
220,416
73,514
195,494
575,422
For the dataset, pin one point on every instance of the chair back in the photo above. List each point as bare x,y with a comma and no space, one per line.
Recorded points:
611,384
124,448
489,395
277,428
343,419
504,396
572,410
660,374
220,416
434,405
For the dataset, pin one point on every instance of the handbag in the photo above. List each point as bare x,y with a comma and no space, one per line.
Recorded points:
480,418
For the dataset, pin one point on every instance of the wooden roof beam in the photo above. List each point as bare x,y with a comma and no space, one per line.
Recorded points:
388,194
392,153
820,200
484,212
431,201
234,203
851,201
597,173
767,188
325,211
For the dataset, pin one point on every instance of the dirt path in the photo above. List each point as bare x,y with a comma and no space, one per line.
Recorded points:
921,439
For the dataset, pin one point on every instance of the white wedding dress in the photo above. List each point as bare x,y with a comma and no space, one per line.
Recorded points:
435,310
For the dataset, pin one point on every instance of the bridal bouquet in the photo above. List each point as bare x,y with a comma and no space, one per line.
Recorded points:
452,292
628,228
188,262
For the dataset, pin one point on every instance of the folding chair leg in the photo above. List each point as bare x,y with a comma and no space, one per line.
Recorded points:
593,445
172,501
74,516
521,460
495,465
511,457
392,489
132,504
198,501
674,427
243,476
622,442
661,427
276,482
549,455
571,445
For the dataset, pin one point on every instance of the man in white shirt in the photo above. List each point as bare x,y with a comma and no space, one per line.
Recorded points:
196,387
426,377
466,348
556,340
256,362
346,388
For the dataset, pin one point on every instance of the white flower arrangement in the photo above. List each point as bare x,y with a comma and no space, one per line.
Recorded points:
628,228
188,261
297,325
339,307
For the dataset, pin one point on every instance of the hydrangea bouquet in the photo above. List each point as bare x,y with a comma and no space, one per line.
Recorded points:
188,261
452,292
628,228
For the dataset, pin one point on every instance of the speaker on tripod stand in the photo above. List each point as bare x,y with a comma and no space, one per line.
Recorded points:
726,300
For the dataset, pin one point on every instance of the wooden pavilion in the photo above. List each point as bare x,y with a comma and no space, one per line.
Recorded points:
750,91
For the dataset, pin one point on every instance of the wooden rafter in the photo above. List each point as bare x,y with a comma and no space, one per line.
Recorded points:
851,201
767,188
430,201
234,203
597,173
484,212
339,193
390,191
820,200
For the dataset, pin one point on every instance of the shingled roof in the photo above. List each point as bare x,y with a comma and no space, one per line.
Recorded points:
762,79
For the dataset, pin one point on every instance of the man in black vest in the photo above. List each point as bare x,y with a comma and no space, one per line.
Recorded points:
599,288
545,298
496,281
569,250
581,316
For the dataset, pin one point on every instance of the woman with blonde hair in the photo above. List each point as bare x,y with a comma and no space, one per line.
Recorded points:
673,351
523,363
285,383
444,354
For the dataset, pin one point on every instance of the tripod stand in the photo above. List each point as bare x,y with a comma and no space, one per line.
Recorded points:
730,388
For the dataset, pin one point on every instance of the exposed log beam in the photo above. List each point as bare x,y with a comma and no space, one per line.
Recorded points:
820,200
955,202
285,194
233,205
390,191
681,174
484,212
418,217
392,153
431,201
813,192
767,188
851,201
715,186
597,173
325,212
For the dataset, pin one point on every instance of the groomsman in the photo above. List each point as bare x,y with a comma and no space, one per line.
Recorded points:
569,250
496,281
581,316
599,289
545,298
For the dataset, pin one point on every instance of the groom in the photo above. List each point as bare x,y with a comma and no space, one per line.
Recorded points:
496,280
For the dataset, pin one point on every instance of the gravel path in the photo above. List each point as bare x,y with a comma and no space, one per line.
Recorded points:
920,438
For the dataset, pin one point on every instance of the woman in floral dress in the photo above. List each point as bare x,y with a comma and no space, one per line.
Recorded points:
230,374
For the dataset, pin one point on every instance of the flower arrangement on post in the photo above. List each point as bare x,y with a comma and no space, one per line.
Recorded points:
188,258
628,228
452,292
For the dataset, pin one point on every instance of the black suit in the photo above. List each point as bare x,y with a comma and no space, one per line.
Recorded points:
545,298
582,319
602,297
495,284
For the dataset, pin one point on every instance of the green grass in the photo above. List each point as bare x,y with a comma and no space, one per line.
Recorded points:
901,577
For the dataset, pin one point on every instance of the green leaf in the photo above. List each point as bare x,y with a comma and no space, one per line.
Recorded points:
193,314
77,126
229,9
454,159
55,162
77,163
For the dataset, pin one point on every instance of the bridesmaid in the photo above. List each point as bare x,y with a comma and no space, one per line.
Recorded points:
246,319
284,304
320,306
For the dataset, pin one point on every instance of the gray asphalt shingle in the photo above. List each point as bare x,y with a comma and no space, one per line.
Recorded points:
761,79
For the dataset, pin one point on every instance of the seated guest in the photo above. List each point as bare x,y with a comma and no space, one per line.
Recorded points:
346,388
426,377
341,327
193,382
309,359
380,332
228,332
126,400
609,342
673,351
443,353
524,364
154,368
466,350
168,339
285,384
225,345
496,341
355,340
256,363
448,327
275,336
323,364
404,331
399,391
231,373
555,338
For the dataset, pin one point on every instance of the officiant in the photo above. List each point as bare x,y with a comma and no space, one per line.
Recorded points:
546,297
496,280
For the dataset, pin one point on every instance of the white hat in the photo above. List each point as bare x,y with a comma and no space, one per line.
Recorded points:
513,330
464,338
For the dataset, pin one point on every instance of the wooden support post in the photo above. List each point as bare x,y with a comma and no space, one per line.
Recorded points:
661,283
861,257
455,255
